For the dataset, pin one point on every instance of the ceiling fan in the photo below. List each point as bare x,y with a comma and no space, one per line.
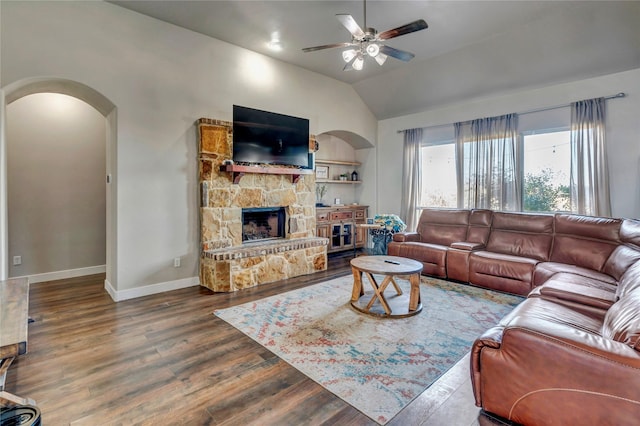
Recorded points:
368,42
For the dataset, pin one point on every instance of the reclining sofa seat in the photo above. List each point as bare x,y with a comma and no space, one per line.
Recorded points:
517,243
437,231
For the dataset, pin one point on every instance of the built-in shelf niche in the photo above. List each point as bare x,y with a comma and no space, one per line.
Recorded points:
338,163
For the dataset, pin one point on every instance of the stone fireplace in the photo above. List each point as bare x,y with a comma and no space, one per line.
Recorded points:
256,228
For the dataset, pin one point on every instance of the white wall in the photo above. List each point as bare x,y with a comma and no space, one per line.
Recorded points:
162,79
623,133
56,189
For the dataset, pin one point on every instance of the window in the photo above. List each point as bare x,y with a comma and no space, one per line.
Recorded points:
546,172
546,169
438,176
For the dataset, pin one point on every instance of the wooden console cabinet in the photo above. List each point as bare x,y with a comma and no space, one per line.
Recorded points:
338,224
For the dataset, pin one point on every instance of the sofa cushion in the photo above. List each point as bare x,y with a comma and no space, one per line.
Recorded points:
630,232
501,272
521,234
584,240
629,281
580,252
546,270
620,260
443,227
539,309
479,226
586,295
622,321
584,281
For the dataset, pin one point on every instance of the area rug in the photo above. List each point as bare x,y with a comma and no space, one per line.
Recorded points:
377,365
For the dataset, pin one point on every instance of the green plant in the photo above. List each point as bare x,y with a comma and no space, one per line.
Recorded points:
542,195
321,190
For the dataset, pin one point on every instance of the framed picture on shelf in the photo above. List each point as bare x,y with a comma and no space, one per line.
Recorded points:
322,172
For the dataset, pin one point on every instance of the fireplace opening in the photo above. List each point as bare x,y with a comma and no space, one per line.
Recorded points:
262,223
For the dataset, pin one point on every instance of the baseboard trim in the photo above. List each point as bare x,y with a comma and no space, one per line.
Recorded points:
132,293
69,273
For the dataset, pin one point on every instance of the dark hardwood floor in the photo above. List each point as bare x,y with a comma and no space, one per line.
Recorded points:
166,359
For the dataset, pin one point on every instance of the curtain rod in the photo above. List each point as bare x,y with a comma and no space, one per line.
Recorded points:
617,95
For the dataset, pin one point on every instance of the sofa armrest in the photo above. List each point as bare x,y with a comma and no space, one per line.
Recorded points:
403,237
552,366
491,338
466,245
570,337
585,295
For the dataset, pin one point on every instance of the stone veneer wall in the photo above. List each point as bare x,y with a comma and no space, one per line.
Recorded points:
228,265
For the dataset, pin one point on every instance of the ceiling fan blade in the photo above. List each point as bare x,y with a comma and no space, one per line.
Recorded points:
396,53
351,25
326,46
414,26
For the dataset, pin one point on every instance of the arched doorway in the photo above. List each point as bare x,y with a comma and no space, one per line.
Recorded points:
107,109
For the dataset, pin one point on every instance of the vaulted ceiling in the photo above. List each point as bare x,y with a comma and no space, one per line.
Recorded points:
471,48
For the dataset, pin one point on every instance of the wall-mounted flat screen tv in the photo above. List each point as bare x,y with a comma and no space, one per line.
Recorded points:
262,137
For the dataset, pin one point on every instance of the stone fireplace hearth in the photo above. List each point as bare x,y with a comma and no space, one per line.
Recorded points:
229,261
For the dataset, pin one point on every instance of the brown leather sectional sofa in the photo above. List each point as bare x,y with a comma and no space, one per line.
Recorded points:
570,352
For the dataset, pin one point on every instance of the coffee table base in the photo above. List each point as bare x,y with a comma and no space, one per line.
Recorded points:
399,304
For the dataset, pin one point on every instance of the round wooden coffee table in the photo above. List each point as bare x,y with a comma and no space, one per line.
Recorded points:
374,302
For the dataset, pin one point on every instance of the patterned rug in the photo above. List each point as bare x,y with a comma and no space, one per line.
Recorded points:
376,365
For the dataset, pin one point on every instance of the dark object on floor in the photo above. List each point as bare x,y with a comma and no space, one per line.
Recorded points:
23,415
489,419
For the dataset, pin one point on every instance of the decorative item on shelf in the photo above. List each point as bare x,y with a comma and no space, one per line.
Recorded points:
343,176
321,191
391,224
354,176
322,172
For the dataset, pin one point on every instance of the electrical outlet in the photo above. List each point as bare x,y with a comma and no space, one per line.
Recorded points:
176,262
17,260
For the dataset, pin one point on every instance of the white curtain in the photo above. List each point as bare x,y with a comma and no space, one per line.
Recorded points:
488,164
411,178
589,171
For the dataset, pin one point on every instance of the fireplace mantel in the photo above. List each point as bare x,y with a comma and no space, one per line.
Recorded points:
237,171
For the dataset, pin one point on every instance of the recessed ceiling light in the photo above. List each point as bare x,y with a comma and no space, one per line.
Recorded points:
275,44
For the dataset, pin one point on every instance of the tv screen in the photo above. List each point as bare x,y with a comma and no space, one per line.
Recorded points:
263,137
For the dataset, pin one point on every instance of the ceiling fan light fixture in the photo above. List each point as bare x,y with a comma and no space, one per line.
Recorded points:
373,49
370,42
358,62
380,58
348,55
